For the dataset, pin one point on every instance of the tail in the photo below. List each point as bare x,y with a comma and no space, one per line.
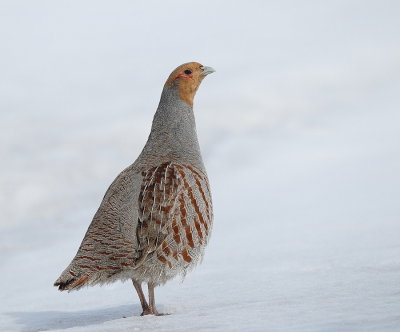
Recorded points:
70,280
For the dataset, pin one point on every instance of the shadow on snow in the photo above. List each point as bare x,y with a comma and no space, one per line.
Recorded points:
48,320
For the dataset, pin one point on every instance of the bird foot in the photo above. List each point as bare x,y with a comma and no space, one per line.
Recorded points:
150,311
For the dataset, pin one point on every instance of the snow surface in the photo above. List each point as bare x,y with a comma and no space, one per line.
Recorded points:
300,131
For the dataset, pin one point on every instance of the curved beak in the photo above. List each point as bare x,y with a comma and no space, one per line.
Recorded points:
207,70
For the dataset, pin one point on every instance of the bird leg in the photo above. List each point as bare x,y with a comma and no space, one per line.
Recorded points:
142,298
152,303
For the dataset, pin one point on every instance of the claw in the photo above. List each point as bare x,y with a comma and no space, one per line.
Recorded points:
152,312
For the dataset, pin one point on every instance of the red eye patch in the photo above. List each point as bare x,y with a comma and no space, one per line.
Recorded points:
183,76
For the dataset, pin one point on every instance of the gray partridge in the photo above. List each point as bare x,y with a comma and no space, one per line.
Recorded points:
155,218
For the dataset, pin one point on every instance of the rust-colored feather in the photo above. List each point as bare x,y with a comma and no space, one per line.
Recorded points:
175,225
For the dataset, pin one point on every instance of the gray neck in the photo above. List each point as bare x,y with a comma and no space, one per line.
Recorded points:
173,134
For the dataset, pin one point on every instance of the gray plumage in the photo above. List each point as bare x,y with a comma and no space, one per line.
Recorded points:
155,218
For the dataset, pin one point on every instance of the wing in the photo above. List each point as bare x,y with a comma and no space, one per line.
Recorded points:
175,218
110,244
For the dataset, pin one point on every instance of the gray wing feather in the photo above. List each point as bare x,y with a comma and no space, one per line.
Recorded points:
109,247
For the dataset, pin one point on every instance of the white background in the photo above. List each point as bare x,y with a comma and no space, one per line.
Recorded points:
300,133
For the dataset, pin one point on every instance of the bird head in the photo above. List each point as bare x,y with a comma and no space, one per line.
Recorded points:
187,78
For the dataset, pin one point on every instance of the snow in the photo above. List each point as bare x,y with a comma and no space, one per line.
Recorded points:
300,133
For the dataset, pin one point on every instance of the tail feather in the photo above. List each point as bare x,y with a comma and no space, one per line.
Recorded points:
70,281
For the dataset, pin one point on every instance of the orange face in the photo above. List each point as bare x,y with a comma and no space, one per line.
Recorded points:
187,78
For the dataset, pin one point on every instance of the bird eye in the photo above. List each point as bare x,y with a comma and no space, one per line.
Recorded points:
187,72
